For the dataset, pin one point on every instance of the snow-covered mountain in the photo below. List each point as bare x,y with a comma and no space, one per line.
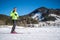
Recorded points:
56,22
47,23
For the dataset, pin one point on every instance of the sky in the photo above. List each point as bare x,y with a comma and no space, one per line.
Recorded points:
24,7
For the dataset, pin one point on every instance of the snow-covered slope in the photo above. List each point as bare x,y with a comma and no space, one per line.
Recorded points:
51,23
37,16
30,33
56,16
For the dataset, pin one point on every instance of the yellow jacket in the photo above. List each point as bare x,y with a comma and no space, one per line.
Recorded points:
14,15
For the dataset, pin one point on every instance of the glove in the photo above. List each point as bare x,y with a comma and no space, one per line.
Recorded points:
15,14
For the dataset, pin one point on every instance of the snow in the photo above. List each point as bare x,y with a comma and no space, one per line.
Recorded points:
56,16
37,16
27,33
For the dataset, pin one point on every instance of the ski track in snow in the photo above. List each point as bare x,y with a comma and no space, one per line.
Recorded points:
30,34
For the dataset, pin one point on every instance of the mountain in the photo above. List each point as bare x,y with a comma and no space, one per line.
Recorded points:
27,19
45,13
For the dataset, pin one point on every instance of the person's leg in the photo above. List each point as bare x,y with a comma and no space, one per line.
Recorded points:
14,25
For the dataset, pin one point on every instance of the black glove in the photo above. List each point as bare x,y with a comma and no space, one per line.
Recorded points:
15,14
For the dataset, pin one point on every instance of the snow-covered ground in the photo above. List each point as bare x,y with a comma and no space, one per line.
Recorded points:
36,33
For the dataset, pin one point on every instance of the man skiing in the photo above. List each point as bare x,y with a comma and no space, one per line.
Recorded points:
14,16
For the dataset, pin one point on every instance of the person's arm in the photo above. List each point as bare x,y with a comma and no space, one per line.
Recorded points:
11,14
17,14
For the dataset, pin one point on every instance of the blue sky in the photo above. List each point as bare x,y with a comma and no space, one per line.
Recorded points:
26,6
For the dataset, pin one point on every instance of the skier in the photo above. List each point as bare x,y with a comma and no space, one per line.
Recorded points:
14,16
